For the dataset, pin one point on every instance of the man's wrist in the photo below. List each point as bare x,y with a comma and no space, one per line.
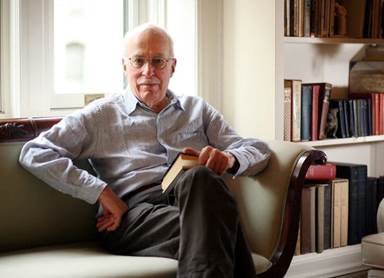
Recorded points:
234,164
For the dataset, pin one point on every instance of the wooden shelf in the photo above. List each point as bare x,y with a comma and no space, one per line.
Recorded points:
313,40
344,141
330,263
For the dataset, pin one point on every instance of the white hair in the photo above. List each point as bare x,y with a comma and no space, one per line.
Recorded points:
145,28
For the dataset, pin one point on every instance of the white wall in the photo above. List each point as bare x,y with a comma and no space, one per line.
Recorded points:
249,67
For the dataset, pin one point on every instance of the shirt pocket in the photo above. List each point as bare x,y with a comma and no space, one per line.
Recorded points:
192,135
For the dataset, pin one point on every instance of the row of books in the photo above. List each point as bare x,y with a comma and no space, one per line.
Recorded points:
334,18
306,108
311,114
358,117
339,211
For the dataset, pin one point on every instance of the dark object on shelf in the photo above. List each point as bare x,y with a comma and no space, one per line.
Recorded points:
366,77
340,20
332,124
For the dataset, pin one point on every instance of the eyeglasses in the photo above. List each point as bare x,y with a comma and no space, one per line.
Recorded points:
157,62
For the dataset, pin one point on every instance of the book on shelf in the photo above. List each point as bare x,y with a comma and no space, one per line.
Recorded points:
357,178
371,211
306,112
325,172
287,110
334,18
320,225
308,220
182,163
326,88
294,114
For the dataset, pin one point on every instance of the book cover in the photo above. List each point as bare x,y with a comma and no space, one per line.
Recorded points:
371,193
308,220
179,165
315,111
357,178
296,110
306,112
324,172
327,217
344,205
346,118
324,110
287,110
336,214
320,212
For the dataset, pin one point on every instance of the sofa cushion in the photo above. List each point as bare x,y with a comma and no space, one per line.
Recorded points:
261,263
90,260
82,260
372,250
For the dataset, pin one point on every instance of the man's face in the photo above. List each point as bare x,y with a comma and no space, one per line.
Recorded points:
149,82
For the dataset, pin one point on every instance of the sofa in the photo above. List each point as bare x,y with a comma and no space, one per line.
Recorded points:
372,247
45,233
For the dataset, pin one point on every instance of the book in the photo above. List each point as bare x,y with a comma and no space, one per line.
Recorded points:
182,163
320,212
287,110
324,110
308,219
296,110
371,193
327,217
321,172
306,112
357,178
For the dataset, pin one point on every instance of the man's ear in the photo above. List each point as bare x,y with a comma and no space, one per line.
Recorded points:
173,67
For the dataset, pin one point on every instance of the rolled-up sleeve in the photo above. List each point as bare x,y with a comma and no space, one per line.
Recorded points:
252,154
50,157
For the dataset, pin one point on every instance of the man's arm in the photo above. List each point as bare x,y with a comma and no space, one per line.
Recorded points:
252,155
50,158
216,160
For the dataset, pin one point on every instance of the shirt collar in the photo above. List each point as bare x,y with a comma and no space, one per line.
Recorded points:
132,102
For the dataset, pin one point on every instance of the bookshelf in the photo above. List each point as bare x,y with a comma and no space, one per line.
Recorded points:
312,60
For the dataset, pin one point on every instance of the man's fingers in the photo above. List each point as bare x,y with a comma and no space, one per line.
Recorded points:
191,151
105,223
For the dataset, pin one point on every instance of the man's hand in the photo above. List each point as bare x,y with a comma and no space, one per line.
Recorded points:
214,159
113,210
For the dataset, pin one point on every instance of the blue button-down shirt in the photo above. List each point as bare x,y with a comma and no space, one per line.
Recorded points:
130,146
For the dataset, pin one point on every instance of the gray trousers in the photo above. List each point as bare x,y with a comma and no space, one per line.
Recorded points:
198,225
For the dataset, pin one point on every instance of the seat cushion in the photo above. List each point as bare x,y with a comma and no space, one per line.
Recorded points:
90,260
372,250
261,263
82,260
375,273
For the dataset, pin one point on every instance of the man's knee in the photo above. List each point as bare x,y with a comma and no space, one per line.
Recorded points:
202,180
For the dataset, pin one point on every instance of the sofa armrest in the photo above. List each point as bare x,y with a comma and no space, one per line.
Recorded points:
270,203
380,217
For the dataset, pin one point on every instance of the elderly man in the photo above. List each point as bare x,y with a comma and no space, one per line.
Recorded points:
130,140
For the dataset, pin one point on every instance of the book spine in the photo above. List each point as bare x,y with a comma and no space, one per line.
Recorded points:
344,206
296,110
341,119
320,218
287,110
346,118
315,111
321,172
336,214
327,217
306,112
324,110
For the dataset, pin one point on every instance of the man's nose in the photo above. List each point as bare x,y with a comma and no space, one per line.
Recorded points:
148,68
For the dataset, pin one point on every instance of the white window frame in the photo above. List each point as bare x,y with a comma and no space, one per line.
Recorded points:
27,75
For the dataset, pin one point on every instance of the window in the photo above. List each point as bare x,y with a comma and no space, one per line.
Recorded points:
62,52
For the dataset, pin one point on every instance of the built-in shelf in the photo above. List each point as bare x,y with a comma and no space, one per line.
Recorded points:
331,40
329,263
344,141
